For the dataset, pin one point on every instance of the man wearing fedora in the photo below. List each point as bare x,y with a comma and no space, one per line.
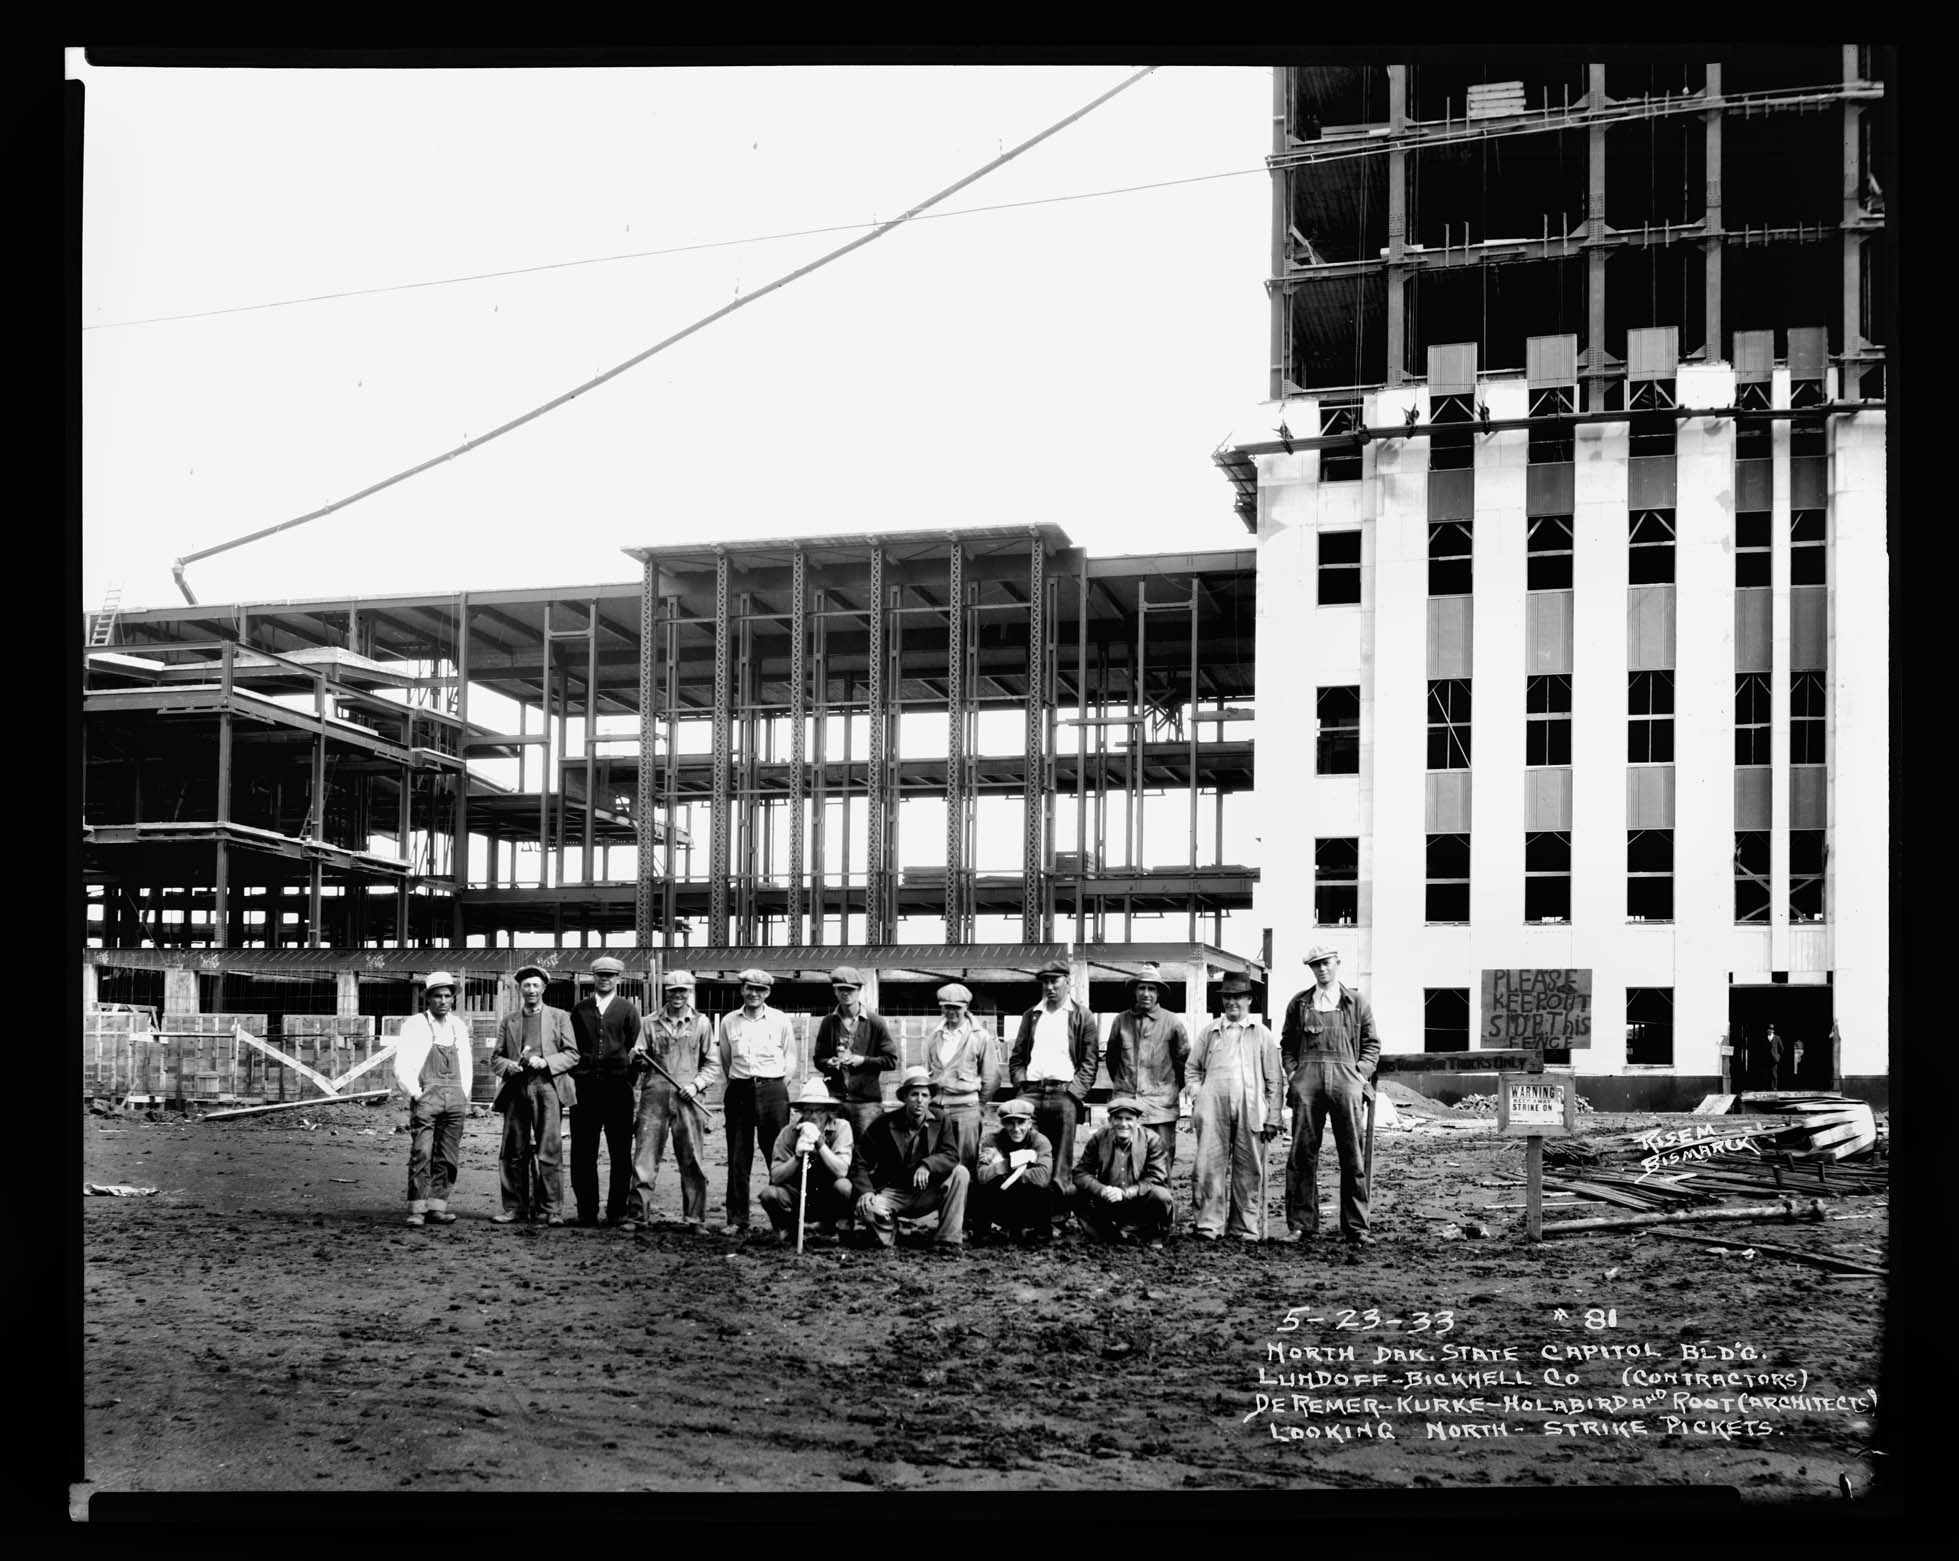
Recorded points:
908,1165
1053,1062
432,1066
1239,1084
1122,1180
681,1041
963,1059
854,1050
1330,1050
754,1047
536,1052
822,1132
1147,1053
1016,1169
606,1024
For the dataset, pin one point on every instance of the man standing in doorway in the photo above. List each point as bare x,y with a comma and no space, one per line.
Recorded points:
1053,1064
606,1024
854,1050
755,1045
536,1052
681,1041
1148,1050
1774,1049
1330,1048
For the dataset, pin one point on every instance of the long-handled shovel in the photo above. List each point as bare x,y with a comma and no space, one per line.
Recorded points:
802,1201
1264,1204
1367,1170
707,1117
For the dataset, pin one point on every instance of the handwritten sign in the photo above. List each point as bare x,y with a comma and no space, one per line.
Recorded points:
1544,1105
1536,1009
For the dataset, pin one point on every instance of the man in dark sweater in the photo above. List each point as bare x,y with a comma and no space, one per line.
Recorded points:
607,1027
908,1164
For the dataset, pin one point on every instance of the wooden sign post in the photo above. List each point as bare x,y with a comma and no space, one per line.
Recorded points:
1535,1106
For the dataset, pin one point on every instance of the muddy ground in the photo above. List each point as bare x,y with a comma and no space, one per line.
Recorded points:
266,1322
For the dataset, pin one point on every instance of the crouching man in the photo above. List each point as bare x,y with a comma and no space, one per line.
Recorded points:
1122,1188
822,1133
907,1163
1016,1167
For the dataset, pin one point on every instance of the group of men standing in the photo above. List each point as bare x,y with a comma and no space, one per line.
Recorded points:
837,1159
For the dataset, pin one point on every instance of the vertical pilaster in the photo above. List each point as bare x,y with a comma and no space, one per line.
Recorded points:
1853,241
1713,245
1595,357
1395,282
1279,299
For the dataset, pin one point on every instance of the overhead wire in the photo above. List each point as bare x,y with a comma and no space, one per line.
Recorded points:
179,566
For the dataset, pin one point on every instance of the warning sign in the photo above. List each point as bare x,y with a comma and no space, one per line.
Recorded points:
1544,1105
1537,1009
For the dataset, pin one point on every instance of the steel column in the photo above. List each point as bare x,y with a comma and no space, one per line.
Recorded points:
1395,277
544,754
221,905
1714,245
1594,361
746,686
591,733
1037,652
955,772
798,714
874,920
669,891
459,863
717,867
643,791
1081,752
820,800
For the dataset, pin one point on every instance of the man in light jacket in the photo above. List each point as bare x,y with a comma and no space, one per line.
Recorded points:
964,1060
1147,1052
1239,1083
1330,1049
432,1066
1053,1063
535,1054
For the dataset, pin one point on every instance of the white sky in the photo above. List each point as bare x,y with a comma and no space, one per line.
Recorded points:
1072,363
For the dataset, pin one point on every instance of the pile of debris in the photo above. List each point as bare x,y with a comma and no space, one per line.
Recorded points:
1476,1106
1719,1176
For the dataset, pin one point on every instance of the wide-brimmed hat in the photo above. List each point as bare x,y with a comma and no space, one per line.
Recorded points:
1053,967
1125,1103
1235,986
814,1094
911,1076
846,975
753,977
1019,1106
1320,951
526,972
682,980
436,978
1150,975
953,992
606,965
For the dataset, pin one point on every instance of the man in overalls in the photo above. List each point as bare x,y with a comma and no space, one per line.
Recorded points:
1329,1047
681,1040
432,1065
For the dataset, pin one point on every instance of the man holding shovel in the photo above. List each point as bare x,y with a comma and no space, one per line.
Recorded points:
809,1166
675,1056
1330,1048
1239,1089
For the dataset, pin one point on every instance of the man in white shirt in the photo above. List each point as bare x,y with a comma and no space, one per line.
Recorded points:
432,1066
1053,1064
755,1045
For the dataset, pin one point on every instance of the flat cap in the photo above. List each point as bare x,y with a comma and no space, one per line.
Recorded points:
1053,967
1019,1106
678,980
753,977
1320,951
606,965
846,975
524,973
1125,1105
953,992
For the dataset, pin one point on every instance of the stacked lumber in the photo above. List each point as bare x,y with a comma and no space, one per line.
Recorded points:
1720,1176
1828,1127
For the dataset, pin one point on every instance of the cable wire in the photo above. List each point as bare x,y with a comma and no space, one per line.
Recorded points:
177,568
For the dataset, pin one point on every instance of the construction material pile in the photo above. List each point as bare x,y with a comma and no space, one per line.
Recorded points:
1475,1106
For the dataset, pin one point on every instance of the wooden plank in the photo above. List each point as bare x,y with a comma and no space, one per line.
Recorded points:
289,1061
291,1105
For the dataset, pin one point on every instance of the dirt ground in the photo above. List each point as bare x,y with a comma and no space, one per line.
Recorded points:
266,1322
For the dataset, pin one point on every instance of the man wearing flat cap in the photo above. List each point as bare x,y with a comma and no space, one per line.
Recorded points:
607,1025
1147,1052
854,1050
963,1058
821,1131
1239,1084
1016,1169
536,1052
1122,1180
908,1165
432,1066
1053,1063
681,1042
754,1047
1330,1049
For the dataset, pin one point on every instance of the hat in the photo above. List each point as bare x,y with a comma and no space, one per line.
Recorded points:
1125,1103
606,965
814,1095
953,992
753,977
912,1076
1019,1106
1320,951
1235,986
1053,967
1150,975
525,972
436,978
846,975
682,980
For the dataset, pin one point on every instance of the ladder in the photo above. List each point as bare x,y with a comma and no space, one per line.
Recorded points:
102,625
